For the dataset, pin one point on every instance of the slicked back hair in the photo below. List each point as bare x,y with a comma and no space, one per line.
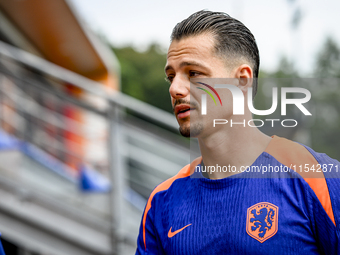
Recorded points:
233,40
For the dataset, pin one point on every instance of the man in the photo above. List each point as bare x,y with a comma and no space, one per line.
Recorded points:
235,211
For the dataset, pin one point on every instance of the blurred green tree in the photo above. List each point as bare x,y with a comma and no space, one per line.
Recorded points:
328,60
280,77
142,75
325,89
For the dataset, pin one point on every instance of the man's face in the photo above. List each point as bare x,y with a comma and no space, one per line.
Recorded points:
191,57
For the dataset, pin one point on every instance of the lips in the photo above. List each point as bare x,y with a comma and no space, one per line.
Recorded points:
182,111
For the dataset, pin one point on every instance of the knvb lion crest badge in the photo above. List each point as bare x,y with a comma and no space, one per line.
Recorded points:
262,221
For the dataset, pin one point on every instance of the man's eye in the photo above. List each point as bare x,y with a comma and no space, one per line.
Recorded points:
194,73
169,78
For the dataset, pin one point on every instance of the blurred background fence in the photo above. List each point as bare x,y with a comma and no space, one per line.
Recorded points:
78,157
61,153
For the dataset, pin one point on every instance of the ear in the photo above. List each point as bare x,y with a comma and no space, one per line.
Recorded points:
244,73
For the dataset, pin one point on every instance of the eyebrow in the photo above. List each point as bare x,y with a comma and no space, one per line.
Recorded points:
185,63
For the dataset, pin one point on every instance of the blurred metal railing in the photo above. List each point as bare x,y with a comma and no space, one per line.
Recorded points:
142,149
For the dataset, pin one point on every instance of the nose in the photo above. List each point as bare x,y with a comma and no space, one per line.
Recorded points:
179,88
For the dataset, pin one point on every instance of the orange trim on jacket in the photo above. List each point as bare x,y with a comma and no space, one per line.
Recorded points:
185,172
290,153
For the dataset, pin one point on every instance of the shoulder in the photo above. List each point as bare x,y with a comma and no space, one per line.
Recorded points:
302,159
183,173
164,186
289,153
308,164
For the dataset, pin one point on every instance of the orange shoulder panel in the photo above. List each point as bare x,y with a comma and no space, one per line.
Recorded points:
184,172
291,153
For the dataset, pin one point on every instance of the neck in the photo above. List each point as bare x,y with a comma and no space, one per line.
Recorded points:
232,146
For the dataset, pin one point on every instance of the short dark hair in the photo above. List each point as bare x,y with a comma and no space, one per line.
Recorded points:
232,37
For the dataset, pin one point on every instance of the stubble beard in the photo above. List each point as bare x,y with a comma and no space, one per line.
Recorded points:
187,128
191,130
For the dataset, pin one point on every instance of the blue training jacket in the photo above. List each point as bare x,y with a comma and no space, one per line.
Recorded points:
286,202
